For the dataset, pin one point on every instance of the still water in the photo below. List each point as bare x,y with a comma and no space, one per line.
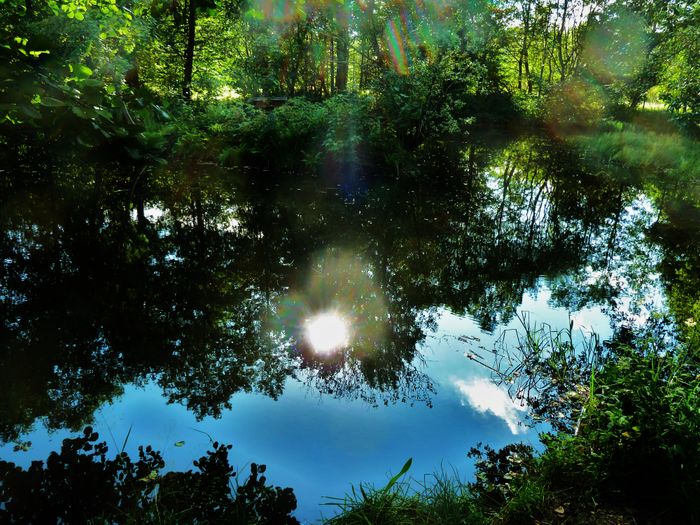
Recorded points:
321,324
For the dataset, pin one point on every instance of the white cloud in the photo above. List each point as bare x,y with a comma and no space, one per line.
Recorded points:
484,396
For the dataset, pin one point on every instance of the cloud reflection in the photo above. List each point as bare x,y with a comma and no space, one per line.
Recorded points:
484,396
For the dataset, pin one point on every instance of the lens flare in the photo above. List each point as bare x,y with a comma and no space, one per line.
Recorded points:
327,332
396,46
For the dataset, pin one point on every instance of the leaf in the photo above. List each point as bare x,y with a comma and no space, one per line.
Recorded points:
29,111
83,143
90,82
163,114
81,71
79,112
22,447
403,471
104,114
151,476
52,102
179,443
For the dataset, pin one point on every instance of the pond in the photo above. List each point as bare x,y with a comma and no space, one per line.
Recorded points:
329,325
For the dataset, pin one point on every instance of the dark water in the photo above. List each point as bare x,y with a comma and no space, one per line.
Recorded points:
185,316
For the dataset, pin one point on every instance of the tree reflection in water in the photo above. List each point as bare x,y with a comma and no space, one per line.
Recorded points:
209,296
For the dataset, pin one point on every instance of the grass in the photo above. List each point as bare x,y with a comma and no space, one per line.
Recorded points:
440,498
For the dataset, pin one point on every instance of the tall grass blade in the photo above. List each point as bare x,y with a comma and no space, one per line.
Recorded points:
127,437
393,480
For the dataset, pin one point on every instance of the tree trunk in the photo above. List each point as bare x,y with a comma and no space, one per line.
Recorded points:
332,66
561,42
341,76
374,38
189,52
343,51
523,58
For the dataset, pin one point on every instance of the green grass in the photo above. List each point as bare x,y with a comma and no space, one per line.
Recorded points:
440,498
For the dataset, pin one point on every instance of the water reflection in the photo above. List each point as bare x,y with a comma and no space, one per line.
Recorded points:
210,294
484,396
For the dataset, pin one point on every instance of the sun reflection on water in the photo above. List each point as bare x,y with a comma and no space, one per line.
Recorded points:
327,332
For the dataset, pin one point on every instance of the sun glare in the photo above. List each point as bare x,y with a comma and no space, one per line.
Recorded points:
327,332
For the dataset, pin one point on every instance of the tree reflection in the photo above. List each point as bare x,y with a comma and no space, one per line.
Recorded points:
207,295
80,484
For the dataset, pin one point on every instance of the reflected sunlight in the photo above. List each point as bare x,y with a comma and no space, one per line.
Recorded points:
327,332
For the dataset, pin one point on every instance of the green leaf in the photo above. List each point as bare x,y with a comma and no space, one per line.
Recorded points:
104,114
393,480
52,102
161,112
29,111
83,142
151,476
90,82
79,112
81,71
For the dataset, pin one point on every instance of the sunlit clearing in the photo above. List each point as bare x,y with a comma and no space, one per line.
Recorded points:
228,93
327,332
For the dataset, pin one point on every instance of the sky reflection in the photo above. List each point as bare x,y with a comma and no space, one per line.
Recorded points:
486,397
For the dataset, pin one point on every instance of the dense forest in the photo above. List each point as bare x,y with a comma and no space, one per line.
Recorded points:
422,69
171,169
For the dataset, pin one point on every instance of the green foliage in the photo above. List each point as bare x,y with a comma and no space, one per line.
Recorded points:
439,499
680,80
649,145
637,444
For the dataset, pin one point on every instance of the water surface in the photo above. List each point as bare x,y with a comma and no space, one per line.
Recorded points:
184,319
